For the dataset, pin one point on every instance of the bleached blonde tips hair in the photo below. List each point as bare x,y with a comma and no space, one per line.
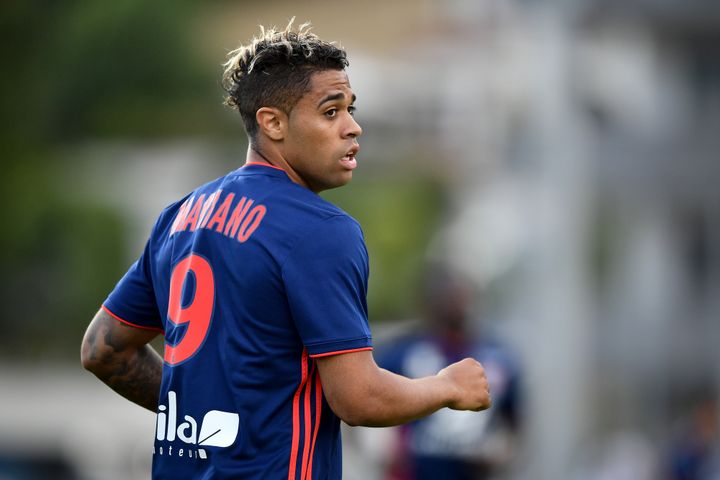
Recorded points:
274,69
245,56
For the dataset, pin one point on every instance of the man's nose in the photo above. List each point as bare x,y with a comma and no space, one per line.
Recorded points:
354,129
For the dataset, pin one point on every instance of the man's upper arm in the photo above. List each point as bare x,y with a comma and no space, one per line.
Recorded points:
106,337
345,378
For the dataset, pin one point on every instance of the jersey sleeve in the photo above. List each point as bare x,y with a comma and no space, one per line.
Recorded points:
325,279
133,301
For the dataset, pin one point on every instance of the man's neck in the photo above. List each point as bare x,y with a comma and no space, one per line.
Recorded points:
256,154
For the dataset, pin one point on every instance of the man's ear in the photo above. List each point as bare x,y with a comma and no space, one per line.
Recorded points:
272,122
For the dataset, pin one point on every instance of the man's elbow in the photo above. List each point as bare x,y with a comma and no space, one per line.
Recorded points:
340,408
353,417
95,353
364,419
357,411
88,356
95,358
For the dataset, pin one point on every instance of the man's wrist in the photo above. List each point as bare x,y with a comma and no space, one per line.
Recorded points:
448,390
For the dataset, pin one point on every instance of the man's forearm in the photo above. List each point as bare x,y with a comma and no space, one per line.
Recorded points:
136,377
119,356
362,394
393,399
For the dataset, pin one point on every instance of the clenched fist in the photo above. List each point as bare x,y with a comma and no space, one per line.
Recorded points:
468,385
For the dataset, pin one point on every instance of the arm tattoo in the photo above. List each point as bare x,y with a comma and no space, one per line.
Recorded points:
134,373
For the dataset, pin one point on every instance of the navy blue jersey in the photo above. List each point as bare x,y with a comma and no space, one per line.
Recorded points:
250,277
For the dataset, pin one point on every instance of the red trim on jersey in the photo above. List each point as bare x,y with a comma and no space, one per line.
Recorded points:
296,417
308,419
318,414
142,327
340,352
264,165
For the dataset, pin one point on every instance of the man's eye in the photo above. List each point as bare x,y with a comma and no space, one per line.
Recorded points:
351,109
331,113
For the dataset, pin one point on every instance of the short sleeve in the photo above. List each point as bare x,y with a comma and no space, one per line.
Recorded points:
133,299
325,279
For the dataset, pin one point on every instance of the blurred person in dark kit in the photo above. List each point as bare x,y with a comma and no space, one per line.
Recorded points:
694,452
453,445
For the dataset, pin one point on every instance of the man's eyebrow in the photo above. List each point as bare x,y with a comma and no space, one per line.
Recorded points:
335,96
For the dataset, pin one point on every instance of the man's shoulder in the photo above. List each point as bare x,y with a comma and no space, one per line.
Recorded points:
334,216
304,209
314,204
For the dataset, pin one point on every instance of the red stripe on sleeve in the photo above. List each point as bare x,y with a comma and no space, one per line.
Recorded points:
340,352
296,418
306,444
142,327
318,414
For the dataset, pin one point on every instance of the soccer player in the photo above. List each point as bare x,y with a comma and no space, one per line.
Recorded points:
259,288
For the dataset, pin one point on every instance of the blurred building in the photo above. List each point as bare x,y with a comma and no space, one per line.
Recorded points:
582,143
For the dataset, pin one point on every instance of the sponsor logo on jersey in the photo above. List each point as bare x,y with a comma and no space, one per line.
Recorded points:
217,429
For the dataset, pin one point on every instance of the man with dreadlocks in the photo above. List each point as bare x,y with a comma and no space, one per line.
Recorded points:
259,288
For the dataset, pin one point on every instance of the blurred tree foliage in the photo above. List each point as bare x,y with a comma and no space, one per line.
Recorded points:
77,70
80,69
58,257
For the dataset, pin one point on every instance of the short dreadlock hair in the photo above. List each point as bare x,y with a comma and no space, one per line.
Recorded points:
274,70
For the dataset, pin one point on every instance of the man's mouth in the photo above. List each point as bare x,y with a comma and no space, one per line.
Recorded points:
349,161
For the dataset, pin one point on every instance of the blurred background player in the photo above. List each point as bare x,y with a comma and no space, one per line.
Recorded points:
453,445
693,452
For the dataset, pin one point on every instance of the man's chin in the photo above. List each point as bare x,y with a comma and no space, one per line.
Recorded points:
339,181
